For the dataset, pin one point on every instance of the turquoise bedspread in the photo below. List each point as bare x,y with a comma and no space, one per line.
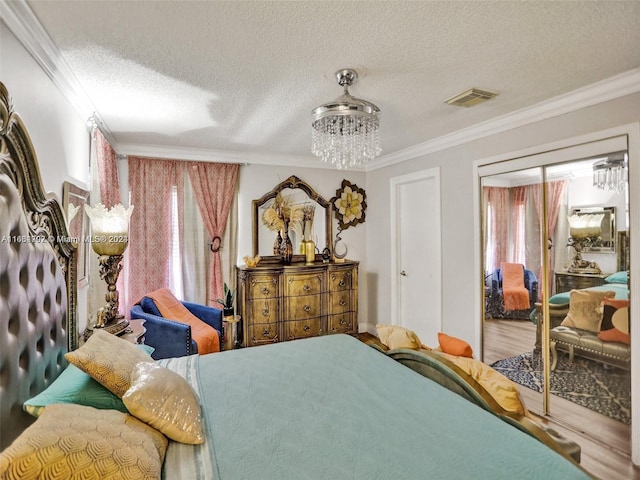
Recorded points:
621,289
333,408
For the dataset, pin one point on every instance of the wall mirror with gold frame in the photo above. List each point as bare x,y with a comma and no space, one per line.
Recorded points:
299,192
603,238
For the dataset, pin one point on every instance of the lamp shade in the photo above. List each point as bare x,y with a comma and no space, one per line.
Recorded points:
109,228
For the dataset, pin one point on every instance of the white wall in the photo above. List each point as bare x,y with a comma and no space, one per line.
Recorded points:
58,133
458,209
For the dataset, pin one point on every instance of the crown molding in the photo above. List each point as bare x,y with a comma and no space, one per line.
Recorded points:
26,27
609,89
221,156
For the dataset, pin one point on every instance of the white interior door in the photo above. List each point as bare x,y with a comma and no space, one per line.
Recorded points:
416,254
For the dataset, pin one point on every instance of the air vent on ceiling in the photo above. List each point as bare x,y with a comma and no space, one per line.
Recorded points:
471,97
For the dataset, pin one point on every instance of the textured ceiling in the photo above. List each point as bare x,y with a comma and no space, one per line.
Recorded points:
240,76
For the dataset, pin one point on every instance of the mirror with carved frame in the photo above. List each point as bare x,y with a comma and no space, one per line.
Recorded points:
297,192
605,236
74,199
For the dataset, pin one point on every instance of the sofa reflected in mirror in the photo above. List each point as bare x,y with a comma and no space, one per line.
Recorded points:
496,307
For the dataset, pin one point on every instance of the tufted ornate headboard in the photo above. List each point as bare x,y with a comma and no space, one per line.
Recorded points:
37,278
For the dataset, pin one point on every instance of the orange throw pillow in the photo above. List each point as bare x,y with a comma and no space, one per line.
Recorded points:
614,335
454,346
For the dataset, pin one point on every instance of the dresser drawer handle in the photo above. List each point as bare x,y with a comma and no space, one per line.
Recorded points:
306,287
265,332
265,291
306,328
342,321
307,308
342,283
343,302
265,312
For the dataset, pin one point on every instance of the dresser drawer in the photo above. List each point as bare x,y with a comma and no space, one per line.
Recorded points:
340,281
261,311
302,329
340,301
340,323
565,282
262,333
262,286
303,284
303,307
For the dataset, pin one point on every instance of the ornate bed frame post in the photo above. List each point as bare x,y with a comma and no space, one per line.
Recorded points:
37,277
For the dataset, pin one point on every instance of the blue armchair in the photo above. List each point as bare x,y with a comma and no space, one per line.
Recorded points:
171,338
495,301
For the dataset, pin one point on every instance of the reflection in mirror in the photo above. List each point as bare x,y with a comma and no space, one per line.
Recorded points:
73,200
513,256
297,199
597,225
516,209
298,194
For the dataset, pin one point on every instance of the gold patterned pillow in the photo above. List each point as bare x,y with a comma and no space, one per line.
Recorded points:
77,442
585,309
109,360
395,336
165,400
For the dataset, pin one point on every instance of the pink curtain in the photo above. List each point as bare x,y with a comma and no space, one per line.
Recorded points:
107,170
150,182
214,186
498,200
555,194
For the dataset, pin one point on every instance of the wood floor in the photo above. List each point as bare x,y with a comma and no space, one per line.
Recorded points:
605,443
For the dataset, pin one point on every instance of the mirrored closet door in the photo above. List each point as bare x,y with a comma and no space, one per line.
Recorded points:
555,249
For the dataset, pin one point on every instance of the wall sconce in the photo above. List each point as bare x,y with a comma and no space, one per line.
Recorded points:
109,239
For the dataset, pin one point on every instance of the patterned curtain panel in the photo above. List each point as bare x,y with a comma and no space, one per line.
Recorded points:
152,182
107,170
158,193
498,228
555,198
214,185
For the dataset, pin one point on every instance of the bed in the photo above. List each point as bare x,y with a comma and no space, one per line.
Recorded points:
325,407
37,278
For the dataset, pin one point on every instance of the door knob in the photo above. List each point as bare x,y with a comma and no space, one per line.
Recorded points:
403,273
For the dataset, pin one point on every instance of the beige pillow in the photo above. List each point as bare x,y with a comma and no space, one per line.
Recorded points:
585,309
165,400
75,441
503,390
394,336
109,360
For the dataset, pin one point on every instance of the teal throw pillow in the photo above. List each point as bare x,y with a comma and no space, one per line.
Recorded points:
618,277
75,386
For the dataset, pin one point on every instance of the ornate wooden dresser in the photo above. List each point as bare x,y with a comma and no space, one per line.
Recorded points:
566,281
287,302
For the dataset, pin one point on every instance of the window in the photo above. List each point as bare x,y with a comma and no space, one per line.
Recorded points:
175,264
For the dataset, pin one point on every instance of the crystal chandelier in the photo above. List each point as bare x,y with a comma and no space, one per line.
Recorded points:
611,173
346,131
